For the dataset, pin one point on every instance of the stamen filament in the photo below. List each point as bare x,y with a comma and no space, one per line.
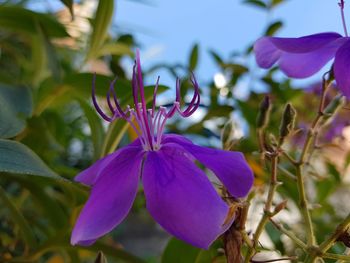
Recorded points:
342,5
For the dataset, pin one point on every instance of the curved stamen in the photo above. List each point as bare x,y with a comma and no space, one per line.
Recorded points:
94,101
193,105
118,109
112,109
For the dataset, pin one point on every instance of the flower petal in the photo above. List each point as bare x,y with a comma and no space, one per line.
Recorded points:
230,167
181,198
90,175
304,44
266,53
302,65
342,69
111,197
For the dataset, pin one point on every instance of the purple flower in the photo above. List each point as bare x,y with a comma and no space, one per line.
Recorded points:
336,127
178,194
302,57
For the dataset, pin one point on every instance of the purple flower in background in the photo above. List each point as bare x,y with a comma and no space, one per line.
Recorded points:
336,127
303,57
178,194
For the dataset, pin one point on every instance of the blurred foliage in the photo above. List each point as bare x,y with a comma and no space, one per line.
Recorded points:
49,132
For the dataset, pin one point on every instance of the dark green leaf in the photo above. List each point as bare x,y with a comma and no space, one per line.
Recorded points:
26,21
216,57
18,158
274,3
16,106
257,3
17,217
193,60
179,252
51,56
273,28
101,23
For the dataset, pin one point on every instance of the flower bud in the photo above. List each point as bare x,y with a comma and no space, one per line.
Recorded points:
288,121
280,207
231,135
100,258
264,113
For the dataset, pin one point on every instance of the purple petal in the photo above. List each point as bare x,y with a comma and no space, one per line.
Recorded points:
302,65
342,69
230,167
304,44
181,198
111,197
90,175
266,54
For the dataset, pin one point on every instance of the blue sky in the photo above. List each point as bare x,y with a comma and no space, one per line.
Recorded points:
167,29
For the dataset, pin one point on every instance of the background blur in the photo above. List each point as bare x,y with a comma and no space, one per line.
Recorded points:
49,131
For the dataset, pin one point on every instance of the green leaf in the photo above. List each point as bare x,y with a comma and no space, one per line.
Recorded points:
273,28
114,49
257,3
179,252
17,217
44,200
193,60
18,158
52,57
69,5
235,68
97,131
26,21
16,106
114,135
216,57
101,23
274,3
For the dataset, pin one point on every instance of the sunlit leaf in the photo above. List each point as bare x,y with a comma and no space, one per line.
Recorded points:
114,49
16,106
97,131
19,159
101,23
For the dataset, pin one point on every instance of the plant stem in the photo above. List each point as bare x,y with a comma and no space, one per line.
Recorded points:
290,234
336,256
311,136
327,244
267,209
341,228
